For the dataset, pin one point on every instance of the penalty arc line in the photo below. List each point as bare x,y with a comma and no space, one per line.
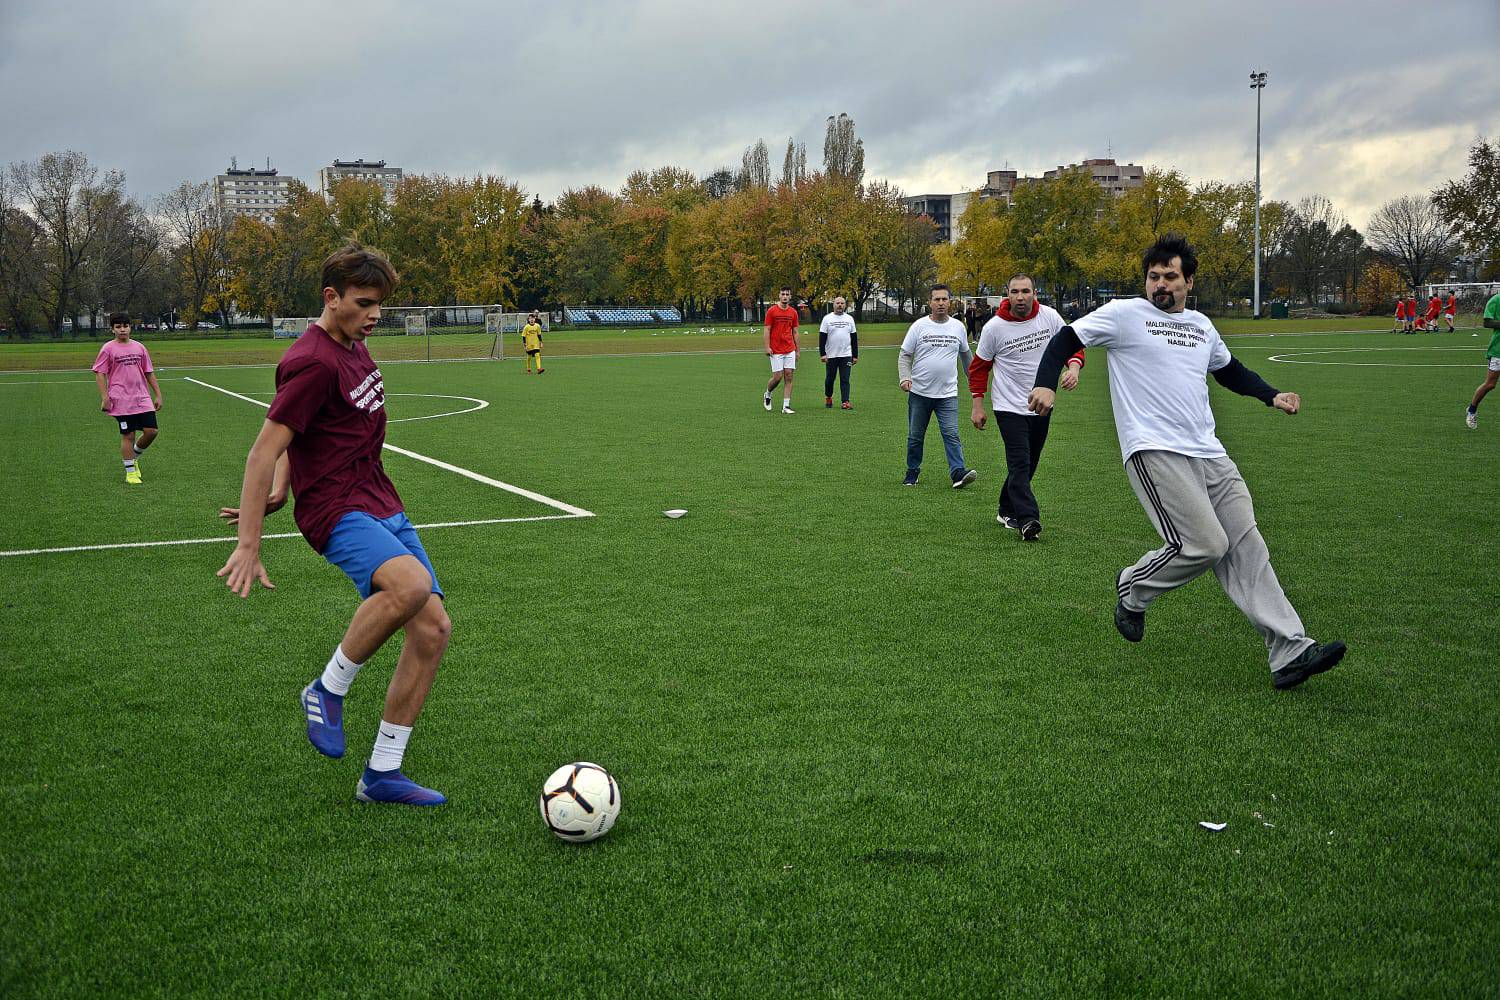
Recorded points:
566,508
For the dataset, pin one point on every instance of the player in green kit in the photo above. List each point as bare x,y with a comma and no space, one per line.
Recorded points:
1492,358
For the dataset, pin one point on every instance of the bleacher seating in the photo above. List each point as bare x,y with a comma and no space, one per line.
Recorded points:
622,317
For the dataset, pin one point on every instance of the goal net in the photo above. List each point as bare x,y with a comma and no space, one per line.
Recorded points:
433,333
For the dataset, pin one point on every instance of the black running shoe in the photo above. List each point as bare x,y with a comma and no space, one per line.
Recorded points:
1031,531
911,478
964,478
1314,660
1132,624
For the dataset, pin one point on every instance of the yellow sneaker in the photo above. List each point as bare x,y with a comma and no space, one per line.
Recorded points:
133,477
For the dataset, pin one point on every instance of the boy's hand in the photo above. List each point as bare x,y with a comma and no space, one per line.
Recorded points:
243,568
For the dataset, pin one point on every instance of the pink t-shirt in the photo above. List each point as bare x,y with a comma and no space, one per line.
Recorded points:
333,399
124,367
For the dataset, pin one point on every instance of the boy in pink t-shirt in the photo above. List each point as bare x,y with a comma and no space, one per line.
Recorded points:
127,385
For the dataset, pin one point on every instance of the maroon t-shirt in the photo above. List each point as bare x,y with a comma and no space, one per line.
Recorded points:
333,398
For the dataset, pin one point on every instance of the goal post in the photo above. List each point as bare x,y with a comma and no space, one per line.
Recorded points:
433,333
291,327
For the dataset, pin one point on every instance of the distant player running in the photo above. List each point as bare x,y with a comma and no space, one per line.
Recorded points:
781,347
1492,361
128,392
1011,346
1159,356
326,428
531,340
1450,309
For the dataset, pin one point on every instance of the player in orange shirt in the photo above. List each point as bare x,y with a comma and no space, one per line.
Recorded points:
1400,315
1411,314
1434,309
1451,308
781,348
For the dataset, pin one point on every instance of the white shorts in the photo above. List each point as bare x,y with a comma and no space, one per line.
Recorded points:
1495,364
781,362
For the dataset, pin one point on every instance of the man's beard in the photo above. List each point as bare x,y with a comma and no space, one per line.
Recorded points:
1164,299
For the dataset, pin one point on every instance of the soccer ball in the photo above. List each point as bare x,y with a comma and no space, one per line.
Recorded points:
580,802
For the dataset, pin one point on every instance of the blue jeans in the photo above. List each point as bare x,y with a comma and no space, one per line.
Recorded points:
919,411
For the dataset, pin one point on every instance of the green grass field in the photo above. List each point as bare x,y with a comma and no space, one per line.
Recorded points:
870,744
172,349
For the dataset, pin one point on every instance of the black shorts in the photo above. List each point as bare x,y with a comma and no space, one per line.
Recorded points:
136,421
533,350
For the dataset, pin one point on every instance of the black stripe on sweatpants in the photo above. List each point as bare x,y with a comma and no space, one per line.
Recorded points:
1174,542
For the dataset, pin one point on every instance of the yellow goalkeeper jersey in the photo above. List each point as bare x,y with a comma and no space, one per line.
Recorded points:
531,336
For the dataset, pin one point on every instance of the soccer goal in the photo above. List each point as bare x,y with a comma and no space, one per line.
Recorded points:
500,324
433,333
291,327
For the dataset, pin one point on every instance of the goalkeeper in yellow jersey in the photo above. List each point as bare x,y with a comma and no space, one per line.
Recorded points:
531,340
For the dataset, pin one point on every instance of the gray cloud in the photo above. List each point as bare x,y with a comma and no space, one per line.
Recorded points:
1366,100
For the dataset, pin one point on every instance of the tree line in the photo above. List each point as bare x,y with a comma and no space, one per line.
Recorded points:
74,244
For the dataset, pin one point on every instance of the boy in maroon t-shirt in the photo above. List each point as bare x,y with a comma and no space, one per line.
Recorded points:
323,437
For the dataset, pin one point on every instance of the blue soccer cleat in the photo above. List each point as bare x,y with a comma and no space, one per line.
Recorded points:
393,786
325,719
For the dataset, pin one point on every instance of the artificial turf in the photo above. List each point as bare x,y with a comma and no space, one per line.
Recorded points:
869,742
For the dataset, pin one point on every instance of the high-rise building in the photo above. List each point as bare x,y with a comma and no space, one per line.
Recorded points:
1116,178
253,192
944,211
375,170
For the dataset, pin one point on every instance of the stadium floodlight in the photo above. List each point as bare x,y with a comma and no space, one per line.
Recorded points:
1257,84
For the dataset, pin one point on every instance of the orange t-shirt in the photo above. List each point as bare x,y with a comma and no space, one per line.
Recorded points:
782,321
1452,307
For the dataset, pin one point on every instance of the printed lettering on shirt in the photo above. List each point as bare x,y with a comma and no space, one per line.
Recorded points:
370,394
1177,334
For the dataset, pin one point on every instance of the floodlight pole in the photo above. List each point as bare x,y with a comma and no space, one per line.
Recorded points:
1257,83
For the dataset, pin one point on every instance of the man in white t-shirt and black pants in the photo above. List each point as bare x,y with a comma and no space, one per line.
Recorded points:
838,347
928,365
1010,347
1159,357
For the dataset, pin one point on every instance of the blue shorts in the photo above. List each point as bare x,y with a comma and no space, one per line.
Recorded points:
361,543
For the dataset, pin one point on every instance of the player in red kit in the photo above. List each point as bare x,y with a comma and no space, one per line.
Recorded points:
781,348
1434,309
323,437
1450,309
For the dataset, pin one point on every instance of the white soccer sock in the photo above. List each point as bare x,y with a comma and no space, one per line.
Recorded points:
129,465
390,746
340,673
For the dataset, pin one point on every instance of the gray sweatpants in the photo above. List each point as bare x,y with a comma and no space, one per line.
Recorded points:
1202,510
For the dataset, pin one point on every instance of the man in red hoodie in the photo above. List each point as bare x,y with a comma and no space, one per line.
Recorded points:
1010,348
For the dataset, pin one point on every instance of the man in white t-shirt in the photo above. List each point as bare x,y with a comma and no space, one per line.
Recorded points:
928,366
1159,357
1010,347
838,349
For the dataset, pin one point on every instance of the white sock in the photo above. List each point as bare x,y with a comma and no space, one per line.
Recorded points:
136,448
340,673
129,465
390,746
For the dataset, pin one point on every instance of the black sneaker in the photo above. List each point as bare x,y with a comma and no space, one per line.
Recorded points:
1132,624
1007,522
766,399
1314,660
964,478
911,478
1031,531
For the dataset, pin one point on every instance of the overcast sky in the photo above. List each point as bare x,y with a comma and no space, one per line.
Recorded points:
1366,101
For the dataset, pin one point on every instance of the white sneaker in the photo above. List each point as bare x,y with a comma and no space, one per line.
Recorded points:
787,409
1007,522
767,400
1472,419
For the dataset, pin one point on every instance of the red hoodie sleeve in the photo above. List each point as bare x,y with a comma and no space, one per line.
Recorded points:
979,375
1077,357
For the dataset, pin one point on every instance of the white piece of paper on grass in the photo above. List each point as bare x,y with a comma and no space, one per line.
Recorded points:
1215,827
674,513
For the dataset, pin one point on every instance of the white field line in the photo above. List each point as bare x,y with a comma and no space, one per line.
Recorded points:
1288,358
283,534
480,404
566,508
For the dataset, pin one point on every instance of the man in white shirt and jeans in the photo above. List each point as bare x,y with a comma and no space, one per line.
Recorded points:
838,348
928,366
1159,356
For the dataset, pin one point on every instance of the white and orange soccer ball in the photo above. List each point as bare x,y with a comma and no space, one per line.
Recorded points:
580,802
